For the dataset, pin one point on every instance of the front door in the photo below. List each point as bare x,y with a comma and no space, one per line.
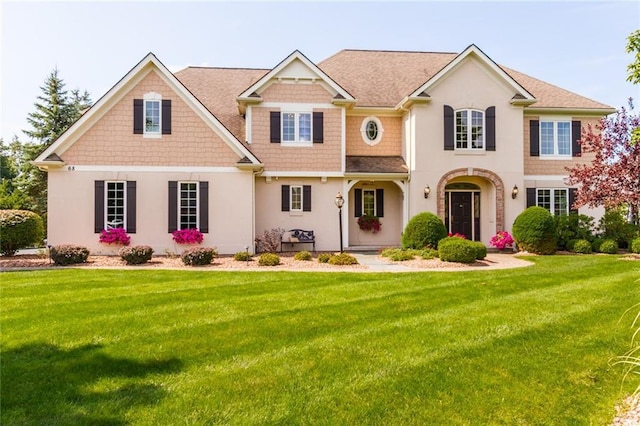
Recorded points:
461,214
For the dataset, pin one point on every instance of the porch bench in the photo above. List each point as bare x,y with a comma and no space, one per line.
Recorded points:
298,236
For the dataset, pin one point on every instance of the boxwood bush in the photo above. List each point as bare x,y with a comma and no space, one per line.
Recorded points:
342,259
19,229
198,256
242,256
428,253
582,246
423,230
68,254
596,243
324,257
136,255
609,247
534,231
454,249
480,248
303,255
269,259
635,246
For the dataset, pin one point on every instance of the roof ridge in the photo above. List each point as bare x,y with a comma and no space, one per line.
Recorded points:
225,68
397,51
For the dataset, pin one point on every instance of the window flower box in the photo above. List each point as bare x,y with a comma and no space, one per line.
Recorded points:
370,223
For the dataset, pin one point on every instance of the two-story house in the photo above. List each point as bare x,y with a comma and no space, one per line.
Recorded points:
234,152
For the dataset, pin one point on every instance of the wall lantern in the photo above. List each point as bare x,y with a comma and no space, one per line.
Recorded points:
427,191
514,192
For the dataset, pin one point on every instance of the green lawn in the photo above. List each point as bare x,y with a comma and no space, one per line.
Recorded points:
523,346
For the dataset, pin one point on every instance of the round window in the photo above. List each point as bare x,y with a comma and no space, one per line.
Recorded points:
371,130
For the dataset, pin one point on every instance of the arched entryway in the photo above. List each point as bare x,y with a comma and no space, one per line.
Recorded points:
460,204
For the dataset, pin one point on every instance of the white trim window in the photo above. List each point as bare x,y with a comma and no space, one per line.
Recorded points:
371,130
297,127
152,115
188,205
470,129
554,200
295,198
116,205
369,202
555,138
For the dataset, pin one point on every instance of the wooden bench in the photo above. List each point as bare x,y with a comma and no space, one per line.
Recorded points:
299,236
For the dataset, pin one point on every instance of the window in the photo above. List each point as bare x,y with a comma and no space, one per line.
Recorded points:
115,201
554,200
470,129
369,202
188,216
296,127
152,114
555,138
296,198
371,130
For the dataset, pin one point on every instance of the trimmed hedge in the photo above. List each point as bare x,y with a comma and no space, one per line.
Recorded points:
198,256
68,254
534,231
582,246
455,249
19,229
303,255
136,255
609,247
481,250
423,230
269,259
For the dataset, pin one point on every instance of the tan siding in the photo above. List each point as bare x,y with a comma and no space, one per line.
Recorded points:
111,140
390,144
541,166
296,92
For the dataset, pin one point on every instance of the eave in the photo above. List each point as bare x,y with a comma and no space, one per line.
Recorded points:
598,112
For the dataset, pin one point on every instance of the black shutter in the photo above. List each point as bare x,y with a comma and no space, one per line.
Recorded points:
576,135
572,200
318,127
357,202
138,116
285,198
98,206
173,205
306,198
531,197
166,116
275,126
380,202
449,127
534,138
204,207
131,206
490,116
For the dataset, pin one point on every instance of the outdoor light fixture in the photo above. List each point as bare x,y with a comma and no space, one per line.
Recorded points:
514,192
427,191
339,201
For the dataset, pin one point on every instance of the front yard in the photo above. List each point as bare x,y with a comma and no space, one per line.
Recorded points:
522,346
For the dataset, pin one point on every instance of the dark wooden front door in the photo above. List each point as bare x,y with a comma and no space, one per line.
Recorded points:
461,214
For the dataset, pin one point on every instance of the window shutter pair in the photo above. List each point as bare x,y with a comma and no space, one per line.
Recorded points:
99,206
534,138
306,198
203,200
275,130
450,127
138,116
531,199
357,193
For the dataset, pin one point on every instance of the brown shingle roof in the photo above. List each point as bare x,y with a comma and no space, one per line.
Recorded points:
378,164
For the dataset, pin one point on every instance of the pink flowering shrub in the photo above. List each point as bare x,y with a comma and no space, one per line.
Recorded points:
187,236
501,240
116,236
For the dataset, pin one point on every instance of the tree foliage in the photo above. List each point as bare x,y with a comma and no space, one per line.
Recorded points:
633,47
612,179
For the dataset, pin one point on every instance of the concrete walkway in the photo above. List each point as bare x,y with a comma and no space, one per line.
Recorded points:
374,263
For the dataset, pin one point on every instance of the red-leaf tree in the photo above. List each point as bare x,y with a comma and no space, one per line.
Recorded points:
612,179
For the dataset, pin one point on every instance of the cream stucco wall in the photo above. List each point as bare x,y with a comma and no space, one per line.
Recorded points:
71,208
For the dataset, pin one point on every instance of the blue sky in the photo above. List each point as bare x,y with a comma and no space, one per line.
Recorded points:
575,45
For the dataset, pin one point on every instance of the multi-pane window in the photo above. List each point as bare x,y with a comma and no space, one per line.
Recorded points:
369,202
296,127
296,198
469,129
115,202
555,138
188,205
151,116
554,200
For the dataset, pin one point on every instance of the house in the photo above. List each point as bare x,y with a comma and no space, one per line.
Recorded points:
234,152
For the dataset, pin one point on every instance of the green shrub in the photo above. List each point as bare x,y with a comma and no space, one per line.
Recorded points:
343,259
423,230
388,252
609,247
614,226
242,256
269,259
198,256
635,246
481,250
136,255
582,246
573,227
19,229
303,255
67,254
534,231
399,255
324,257
428,253
596,243
455,249
571,244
